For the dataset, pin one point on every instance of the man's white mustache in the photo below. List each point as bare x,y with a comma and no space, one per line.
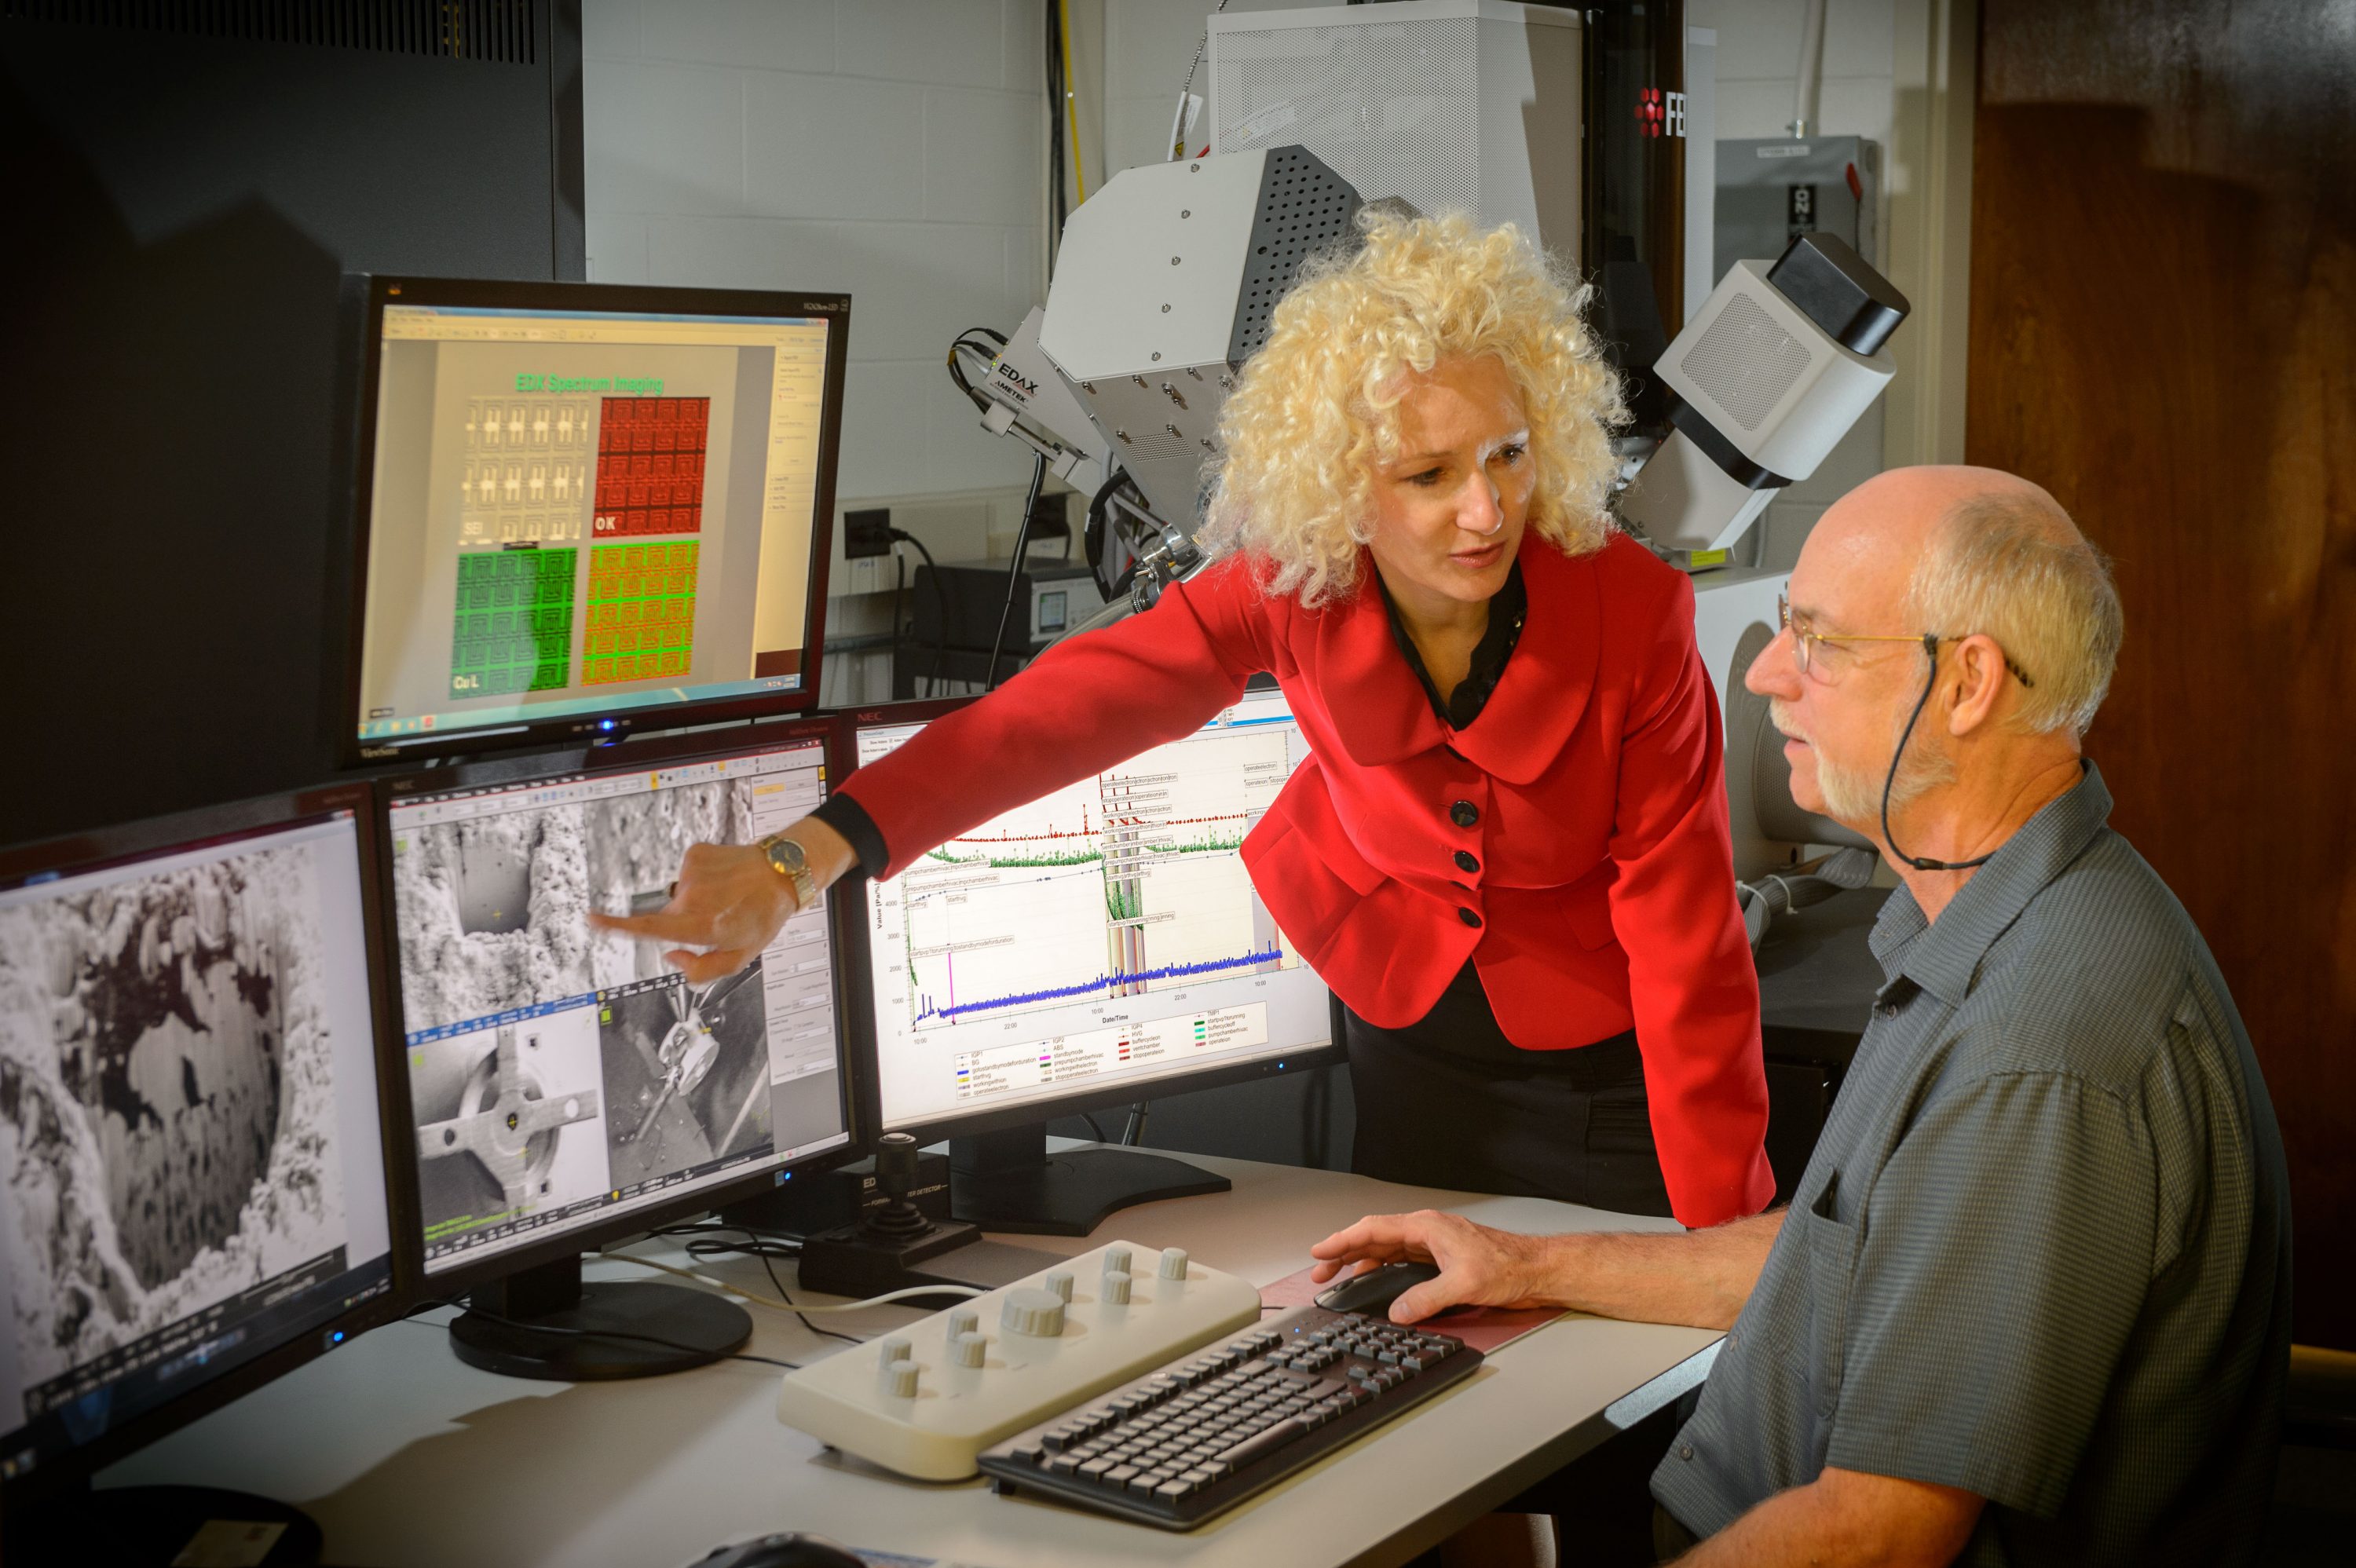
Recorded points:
1777,715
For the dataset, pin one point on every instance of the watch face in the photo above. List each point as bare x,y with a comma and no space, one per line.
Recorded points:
788,854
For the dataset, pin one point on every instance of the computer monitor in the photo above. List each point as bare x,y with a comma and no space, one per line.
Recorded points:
584,508
566,1086
1102,944
197,1199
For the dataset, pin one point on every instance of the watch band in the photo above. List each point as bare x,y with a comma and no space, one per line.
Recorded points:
788,858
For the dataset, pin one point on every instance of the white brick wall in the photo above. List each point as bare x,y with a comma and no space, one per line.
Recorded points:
1758,84
893,149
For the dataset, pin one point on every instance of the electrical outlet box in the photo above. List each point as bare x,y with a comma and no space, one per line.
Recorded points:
867,532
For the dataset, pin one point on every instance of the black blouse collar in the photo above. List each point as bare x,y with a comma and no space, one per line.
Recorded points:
1507,609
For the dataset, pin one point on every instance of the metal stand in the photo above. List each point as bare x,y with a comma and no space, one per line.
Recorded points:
1008,1181
546,1323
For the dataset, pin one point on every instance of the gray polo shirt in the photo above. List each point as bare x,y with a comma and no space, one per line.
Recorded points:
2042,1251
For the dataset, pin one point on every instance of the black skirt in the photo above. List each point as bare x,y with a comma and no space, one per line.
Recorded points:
1450,1102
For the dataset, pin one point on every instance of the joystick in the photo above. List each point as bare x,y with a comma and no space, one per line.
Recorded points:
881,1252
896,1174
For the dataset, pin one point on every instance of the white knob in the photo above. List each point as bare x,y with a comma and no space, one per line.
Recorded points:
892,1349
1060,1282
900,1380
970,1348
1173,1263
1116,1289
1116,1260
1037,1313
964,1320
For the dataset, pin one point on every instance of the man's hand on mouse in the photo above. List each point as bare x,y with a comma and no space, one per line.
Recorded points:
1478,1266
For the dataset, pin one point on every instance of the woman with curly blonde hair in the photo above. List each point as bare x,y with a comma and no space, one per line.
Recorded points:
1508,855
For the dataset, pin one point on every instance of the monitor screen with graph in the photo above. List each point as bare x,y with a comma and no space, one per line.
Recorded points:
582,507
1101,940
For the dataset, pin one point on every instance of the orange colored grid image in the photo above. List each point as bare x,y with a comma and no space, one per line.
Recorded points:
640,611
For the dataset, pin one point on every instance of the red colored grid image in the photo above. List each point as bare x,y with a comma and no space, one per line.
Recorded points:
650,455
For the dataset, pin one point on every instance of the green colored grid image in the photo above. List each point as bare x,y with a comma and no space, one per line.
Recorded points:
641,611
512,627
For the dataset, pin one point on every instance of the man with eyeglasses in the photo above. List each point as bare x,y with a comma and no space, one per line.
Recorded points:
2030,1303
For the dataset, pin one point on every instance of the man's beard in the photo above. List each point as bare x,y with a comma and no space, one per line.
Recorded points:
1852,796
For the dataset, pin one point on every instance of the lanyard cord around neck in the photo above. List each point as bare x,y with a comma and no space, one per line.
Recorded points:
1930,647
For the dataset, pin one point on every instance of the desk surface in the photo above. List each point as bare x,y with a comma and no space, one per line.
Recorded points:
406,1456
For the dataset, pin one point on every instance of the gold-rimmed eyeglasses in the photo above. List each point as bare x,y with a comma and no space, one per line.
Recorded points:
1804,640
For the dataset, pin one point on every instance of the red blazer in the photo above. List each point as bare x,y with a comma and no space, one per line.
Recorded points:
1604,893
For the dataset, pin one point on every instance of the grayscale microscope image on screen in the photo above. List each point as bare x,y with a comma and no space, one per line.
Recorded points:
187,1115
557,1072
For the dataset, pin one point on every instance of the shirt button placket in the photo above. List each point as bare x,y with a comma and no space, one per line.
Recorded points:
1466,815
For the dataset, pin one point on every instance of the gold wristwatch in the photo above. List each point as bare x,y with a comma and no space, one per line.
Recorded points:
786,857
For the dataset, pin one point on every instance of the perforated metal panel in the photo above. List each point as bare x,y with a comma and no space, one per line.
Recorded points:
1392,107
502,31
1304,208
1745,362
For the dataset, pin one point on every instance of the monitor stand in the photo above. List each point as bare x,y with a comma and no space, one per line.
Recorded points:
151,1527
544,1322
1009,1181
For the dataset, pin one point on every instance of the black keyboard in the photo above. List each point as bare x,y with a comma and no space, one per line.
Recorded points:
1216,1427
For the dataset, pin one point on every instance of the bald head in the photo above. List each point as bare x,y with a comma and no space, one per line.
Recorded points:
1961,550
1886,525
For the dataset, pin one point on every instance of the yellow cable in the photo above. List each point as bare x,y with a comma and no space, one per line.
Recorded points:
1071,111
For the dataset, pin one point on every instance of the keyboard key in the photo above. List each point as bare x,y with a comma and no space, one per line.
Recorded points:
1095,1469
1172,1490
1064,1464
1120,1476
1195,1477
1029,1453
1263,1444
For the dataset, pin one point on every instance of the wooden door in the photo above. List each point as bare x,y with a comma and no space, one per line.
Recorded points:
2163,332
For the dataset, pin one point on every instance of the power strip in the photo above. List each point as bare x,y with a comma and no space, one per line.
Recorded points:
925,1400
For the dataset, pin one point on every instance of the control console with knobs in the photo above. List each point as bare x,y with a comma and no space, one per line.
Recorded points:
940,1390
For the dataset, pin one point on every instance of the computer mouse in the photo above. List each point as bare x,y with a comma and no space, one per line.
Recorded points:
1374,1291
790,1549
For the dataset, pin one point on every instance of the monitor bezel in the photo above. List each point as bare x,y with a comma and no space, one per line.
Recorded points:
860,1013
446,1284
369,295
99,849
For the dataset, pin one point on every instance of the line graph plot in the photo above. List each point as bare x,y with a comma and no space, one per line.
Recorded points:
1124,884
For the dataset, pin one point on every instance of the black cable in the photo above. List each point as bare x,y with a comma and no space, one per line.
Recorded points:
1056,210
899,581
1100,534
966,341
759,1244
941,601
1930,647
1093,1127
1015,569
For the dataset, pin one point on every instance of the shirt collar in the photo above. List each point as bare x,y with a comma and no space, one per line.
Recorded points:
1942,956
1540,695
1460,707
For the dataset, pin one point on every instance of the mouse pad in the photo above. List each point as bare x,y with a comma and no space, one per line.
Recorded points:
1486,1329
